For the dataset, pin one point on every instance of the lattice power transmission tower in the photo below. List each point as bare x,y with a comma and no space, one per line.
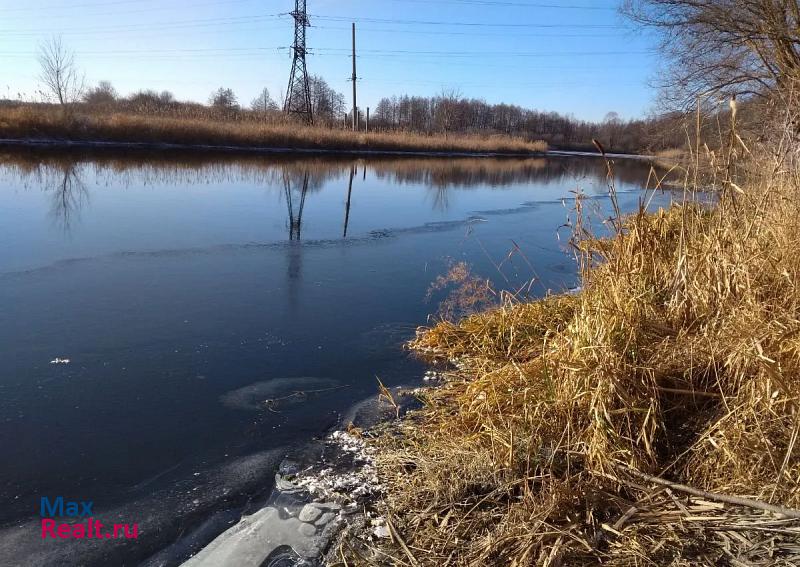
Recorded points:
298,97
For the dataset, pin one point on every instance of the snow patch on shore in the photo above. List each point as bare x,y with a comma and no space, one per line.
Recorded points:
361,481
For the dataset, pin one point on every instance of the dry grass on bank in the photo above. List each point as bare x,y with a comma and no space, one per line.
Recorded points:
52,123
678,362
671,158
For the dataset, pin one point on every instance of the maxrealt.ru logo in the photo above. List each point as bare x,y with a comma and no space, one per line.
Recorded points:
85,528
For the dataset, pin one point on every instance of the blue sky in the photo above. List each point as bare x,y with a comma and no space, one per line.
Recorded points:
575,57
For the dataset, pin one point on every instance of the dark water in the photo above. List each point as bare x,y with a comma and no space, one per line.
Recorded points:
187,290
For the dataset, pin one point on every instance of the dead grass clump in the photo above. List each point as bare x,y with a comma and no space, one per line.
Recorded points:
651,419
512,332
466,293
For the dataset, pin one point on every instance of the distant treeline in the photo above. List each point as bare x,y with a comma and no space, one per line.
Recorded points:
223,103
418,115
453,113
444,114
448,113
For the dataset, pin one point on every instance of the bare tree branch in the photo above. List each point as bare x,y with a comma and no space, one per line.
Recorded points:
59,73
723,47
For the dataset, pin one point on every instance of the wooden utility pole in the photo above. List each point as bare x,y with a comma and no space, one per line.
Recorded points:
367,130
354,79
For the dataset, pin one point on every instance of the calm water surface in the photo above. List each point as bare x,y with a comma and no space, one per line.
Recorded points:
186,290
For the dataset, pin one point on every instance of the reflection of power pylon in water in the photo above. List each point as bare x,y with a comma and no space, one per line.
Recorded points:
295,222
295,205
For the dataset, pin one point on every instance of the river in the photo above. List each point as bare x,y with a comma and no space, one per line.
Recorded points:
171,323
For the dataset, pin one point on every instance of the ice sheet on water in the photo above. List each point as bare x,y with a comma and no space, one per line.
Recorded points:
276,393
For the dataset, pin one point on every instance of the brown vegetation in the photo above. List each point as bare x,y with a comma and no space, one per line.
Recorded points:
653,418
45,122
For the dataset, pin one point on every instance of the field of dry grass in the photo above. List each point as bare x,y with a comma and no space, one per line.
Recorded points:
653,418
42,122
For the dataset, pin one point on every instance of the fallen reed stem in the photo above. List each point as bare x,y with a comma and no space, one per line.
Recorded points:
735,500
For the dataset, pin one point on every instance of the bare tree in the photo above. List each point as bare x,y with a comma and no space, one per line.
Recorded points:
103,93
723,47
224,99
612,124
59,73
264,103
447,107
328,105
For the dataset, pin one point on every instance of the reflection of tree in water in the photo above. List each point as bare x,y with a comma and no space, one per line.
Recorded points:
293,177
69,195
441,198
468,173
176,167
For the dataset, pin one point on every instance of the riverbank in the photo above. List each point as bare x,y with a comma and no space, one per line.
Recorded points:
323,491
52,125
650,418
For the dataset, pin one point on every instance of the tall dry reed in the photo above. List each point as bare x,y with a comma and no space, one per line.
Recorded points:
650,419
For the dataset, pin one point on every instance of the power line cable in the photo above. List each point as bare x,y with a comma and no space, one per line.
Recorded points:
70,6
161,7
535,5
147,26
332,52
439,32
506,53
467,24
